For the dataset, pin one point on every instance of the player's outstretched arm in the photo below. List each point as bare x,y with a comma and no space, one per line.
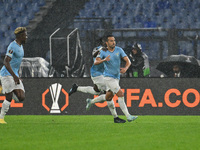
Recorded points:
98,60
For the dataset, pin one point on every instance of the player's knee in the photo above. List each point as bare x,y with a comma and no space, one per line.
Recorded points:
9,97
120,93
21,98
109,96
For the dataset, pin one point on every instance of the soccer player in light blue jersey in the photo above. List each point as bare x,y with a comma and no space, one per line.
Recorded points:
11,83
96,71
99,85
112,61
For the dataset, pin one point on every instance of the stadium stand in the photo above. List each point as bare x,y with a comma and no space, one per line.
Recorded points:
137,14
16,13
42,18
145,13
123,14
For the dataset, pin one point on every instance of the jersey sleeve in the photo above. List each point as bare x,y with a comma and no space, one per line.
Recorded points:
10,51
123,54
101,54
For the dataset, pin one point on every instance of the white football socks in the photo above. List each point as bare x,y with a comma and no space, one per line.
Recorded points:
98,99
112,108
87,89
123,106
111,104
5,108
15,97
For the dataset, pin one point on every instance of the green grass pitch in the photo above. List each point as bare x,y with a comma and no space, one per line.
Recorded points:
73,132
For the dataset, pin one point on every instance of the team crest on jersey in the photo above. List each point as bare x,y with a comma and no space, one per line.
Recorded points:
10,51
117,54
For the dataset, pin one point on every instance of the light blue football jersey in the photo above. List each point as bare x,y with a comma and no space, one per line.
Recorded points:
97,70
112,67
16,52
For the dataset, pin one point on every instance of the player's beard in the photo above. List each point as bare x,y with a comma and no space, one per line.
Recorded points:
112,46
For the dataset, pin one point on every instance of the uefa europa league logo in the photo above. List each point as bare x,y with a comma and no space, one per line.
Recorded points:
55,93
55,90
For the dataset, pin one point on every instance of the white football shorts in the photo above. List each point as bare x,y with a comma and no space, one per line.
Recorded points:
99,81
8,84
112,84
